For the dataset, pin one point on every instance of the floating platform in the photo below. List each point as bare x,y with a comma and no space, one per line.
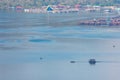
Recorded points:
115,21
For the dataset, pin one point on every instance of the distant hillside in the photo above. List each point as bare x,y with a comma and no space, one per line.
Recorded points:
38,3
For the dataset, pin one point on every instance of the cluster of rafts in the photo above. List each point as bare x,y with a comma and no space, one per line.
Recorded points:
114,21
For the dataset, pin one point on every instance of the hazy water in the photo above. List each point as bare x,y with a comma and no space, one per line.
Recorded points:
25,38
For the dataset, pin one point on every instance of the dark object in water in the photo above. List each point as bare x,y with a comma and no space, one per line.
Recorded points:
41,58
72,61
113,46
92,61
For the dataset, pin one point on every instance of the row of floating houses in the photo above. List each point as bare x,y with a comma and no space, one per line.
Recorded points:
37,10
115,21
67,9
52,9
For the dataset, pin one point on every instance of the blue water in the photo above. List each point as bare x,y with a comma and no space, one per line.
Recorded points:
26,38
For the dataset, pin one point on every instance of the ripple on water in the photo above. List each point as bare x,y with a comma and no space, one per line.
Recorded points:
2,41
39,40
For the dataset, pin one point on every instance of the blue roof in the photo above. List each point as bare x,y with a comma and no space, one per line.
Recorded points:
49,9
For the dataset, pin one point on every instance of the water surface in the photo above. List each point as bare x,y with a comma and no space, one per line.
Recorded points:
26,38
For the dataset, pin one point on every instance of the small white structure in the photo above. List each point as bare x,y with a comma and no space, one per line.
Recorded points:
118,10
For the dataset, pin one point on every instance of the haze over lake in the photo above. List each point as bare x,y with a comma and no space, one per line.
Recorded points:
41,46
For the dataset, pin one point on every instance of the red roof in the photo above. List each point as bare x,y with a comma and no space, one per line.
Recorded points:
19,7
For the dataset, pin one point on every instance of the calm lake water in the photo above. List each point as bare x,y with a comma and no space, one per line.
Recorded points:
41,46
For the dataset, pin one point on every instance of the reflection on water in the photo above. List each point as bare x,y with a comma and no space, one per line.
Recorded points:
26,38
